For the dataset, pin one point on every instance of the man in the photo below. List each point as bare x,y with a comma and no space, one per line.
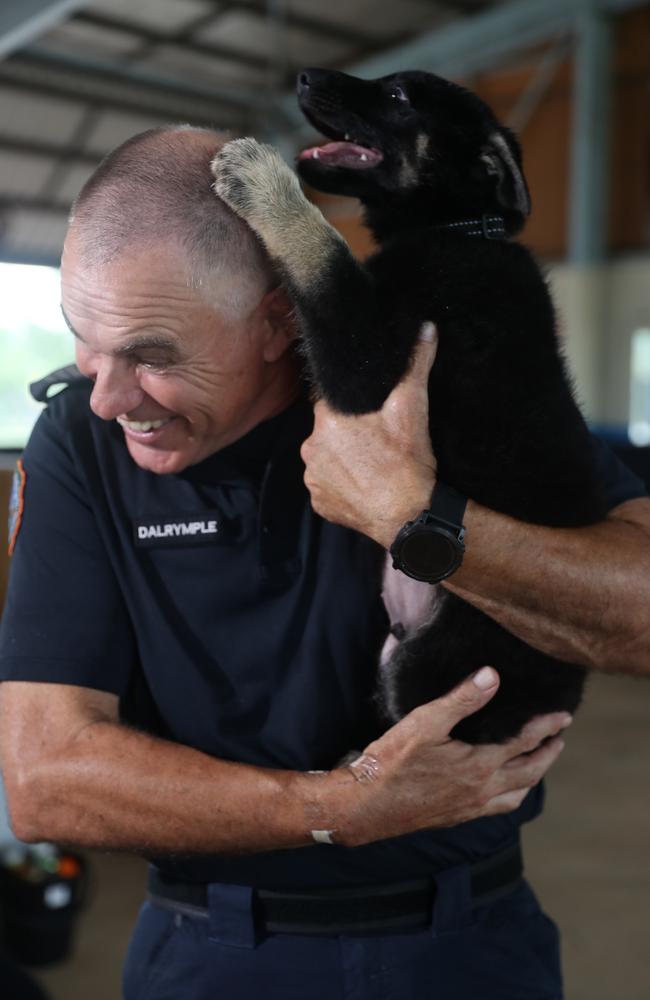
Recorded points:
188,650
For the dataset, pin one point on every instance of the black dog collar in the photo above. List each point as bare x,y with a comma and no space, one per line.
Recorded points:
491,227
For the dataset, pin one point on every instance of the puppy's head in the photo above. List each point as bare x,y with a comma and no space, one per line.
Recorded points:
411,134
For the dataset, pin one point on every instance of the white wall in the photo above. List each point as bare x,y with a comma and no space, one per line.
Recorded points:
600,308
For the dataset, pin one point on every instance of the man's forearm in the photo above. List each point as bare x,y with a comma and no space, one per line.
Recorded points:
74,774
115,787
579,594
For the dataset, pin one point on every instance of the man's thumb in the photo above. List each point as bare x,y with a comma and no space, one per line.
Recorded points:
425,352
466,698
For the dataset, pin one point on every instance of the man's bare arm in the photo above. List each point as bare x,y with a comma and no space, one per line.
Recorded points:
580,594
73,773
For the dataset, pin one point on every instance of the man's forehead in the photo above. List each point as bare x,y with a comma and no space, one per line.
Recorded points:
132,340
132,288
136,263
145,282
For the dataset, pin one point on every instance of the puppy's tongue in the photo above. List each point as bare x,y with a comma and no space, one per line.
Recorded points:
343,154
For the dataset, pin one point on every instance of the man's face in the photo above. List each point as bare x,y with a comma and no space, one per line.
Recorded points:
181,381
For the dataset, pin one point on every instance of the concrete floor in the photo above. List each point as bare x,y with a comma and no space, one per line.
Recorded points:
588,858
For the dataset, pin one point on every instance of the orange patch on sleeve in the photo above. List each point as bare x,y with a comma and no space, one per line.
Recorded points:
16,504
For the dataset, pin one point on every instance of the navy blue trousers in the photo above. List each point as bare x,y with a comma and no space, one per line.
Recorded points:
508,950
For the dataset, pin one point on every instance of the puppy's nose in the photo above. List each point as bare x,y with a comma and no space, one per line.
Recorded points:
303,82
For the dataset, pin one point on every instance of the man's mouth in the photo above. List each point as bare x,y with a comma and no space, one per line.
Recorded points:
345,151
143,427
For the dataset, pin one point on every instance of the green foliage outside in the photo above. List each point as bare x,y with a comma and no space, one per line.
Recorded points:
27,354
33,342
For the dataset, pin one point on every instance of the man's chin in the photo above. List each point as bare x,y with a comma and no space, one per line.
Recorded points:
159,460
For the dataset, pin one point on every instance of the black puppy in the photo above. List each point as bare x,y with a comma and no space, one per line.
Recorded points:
442,187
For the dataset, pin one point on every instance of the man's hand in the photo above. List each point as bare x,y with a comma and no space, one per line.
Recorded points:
375,471
416,777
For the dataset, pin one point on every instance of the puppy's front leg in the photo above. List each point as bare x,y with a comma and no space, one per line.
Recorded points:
253,179
334,295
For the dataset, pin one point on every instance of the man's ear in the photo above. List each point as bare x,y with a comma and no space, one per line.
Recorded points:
502,158
281,323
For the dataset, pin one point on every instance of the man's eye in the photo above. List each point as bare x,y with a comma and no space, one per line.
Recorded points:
399,93
153,364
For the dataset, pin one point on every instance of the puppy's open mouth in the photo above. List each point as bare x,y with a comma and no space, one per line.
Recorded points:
343,152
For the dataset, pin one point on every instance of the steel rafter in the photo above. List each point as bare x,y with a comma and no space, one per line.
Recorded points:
35,204
178,40
24,78
315,25
107,70
49,150
23,20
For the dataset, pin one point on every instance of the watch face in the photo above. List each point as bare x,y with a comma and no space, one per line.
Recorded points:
429,554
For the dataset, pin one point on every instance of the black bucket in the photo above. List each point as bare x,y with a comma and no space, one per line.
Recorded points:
40,908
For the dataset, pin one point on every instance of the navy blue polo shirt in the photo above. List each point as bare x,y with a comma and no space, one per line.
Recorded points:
225,614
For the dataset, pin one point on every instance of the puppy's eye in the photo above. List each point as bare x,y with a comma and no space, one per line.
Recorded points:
399,94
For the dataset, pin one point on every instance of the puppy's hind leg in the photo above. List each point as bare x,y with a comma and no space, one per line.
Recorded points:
334,295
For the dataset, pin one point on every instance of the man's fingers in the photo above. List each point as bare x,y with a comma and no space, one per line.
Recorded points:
524,773
463,700
535,731
531,767
506,802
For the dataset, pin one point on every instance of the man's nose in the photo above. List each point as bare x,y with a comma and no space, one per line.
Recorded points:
116,390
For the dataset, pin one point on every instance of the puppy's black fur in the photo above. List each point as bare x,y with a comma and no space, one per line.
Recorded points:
423,154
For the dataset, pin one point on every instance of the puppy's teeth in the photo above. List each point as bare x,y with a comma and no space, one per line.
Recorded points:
316,154
363,156
347,136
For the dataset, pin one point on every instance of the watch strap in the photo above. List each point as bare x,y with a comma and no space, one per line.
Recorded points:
447,504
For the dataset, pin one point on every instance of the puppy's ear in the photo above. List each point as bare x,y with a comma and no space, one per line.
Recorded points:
502,158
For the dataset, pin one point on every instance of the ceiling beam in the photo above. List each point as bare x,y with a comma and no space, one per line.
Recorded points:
477,43
68,87
47,149
35,204
106,69
21,21
155,38
60,166
315,25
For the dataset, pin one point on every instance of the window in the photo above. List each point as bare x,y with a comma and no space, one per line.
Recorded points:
34,340
639,426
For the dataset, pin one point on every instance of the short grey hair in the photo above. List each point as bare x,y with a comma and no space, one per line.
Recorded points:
156,189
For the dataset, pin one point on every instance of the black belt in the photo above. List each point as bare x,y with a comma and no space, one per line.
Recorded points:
354,909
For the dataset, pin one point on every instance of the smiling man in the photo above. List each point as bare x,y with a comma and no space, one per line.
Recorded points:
170,310
182,379
188,649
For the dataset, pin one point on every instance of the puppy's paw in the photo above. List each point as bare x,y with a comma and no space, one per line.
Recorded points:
253,179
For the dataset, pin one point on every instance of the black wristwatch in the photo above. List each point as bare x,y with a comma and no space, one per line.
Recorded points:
431,547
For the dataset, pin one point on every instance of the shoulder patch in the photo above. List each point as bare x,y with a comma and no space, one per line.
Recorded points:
16,504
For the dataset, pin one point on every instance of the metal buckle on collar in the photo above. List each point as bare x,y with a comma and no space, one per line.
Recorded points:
493,227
